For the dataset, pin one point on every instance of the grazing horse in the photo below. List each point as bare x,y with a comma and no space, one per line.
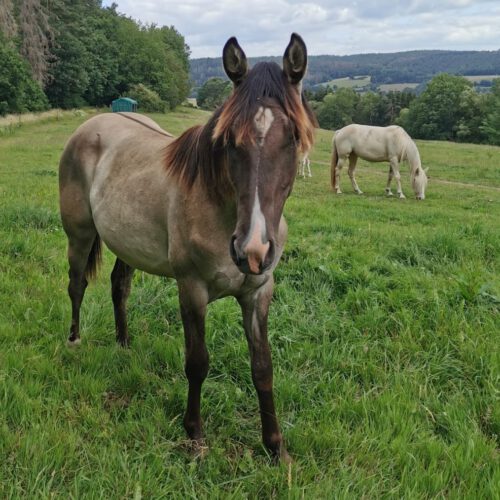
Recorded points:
205,208
304,163
377,144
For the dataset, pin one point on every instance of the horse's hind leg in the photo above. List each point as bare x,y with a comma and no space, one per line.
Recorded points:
338,168
352,167
388,191
83,254
121,278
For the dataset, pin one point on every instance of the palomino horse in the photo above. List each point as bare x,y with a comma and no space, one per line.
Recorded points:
377,144
205,208
304,163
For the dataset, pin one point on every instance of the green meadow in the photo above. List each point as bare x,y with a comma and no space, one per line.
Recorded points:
384,331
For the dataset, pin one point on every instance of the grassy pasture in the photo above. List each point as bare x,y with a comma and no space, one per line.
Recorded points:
384,331
348,82
397,87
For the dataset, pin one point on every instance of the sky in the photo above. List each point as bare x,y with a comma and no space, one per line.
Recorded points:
263,27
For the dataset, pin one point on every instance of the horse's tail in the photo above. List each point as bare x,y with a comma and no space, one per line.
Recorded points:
94,259
335,159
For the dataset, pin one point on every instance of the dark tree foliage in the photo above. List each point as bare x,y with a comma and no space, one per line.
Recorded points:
398,67
491,123
448,109
18,90
213,93
87,54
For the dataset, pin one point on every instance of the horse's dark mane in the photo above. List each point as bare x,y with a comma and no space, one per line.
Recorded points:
194,153
200,149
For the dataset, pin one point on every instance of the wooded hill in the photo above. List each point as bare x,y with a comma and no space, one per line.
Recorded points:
397,67
71,53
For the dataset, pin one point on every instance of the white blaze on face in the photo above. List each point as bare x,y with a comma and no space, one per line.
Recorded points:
263,120
254,247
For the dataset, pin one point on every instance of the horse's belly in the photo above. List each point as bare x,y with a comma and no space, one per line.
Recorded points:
134,231
140,253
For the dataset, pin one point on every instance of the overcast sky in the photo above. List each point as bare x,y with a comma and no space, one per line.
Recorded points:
263,27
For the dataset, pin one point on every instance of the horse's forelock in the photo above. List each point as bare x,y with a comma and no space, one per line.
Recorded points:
266,81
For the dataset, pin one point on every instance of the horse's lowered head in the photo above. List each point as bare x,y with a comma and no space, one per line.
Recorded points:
264,125
419,182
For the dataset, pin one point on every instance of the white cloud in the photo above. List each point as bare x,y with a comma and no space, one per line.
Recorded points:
263,27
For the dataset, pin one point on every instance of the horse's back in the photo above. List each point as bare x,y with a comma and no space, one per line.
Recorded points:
369,142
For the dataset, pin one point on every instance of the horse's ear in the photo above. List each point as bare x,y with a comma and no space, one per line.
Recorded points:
426,169
295,59
235,61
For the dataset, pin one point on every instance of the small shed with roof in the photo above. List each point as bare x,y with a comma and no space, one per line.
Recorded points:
124,104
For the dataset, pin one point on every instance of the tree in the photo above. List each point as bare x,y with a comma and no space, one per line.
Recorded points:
491,124
18,91
213,93
338,109
438,112
8,25
147,99
372,109
36,37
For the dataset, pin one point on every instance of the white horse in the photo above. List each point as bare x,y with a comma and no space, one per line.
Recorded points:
377,144
305,163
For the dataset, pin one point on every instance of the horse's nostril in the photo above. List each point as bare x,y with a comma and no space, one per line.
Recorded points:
233,252
269,259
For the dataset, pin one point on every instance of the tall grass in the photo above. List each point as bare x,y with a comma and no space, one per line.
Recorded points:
384,331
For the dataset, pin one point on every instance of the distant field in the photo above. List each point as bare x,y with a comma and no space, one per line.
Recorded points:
397,87
364,81
384,331
478,78
359,81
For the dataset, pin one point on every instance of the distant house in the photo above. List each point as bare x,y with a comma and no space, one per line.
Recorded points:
123,104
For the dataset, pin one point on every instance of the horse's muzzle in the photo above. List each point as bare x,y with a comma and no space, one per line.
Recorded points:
252,260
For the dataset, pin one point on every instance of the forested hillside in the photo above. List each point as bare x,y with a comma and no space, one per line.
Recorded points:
68,53
398,67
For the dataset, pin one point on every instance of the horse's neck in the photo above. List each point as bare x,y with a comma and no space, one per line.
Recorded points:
411,155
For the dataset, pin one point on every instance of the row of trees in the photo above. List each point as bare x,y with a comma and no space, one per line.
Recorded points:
448,109
68,53
398,67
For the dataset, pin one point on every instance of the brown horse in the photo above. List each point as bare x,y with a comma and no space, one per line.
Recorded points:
205,208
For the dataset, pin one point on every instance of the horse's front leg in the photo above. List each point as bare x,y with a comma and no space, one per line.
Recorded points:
352,168
255,308
397,176
193,298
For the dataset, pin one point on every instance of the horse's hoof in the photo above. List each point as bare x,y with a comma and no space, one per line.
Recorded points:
402,196
281,457
285,458
198,449
338,192
389,193
74,343
125,343
359,192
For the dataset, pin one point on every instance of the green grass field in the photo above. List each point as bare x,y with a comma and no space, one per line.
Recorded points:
384,331
348,82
